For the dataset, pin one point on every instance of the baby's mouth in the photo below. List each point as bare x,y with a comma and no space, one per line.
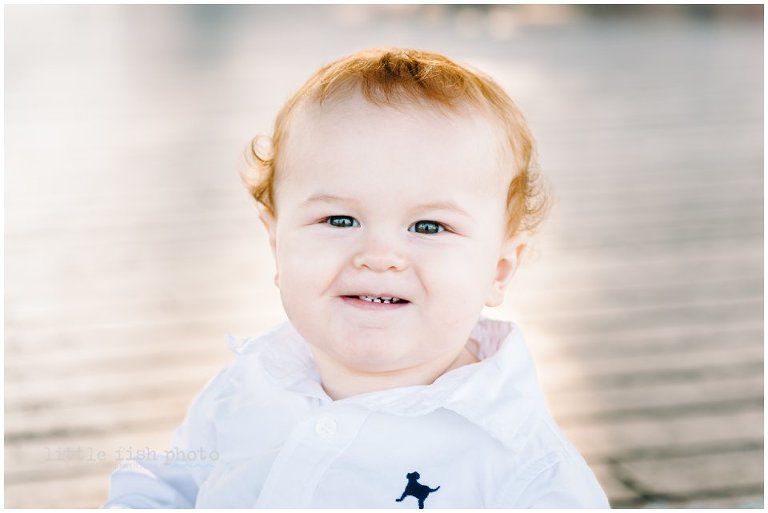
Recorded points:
387,300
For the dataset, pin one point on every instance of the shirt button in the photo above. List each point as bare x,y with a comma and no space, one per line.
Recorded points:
325,427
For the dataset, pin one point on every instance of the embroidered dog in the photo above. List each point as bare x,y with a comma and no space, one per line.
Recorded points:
416,489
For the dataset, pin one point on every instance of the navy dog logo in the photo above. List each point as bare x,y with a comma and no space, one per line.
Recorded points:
416,489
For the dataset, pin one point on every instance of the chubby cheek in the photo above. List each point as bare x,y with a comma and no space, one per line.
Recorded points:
306,273
458,282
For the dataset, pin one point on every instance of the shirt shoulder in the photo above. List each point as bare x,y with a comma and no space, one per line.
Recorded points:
554,474
236,379
544,468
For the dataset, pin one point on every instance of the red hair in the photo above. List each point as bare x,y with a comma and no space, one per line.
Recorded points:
394,76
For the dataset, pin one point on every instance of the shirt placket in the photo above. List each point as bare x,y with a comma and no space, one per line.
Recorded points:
312,446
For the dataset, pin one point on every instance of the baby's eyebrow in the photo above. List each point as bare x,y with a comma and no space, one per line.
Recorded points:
432,205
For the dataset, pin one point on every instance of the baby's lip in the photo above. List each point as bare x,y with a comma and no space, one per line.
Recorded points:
381,294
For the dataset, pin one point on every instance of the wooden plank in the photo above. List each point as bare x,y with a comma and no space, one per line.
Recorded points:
92,454
624,241
64,421
76,491
648,340
749,500
591,404
114,363
703,475
91,344
617,319
564,370
83,387
617,491
598,443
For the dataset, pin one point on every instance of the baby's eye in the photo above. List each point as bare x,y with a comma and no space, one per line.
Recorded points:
428,227
340,221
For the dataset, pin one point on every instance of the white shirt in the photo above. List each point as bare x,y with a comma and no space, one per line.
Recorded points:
263,433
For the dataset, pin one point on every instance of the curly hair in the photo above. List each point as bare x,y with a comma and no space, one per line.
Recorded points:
394,76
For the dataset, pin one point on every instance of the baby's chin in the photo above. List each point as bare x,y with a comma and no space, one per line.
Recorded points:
370,357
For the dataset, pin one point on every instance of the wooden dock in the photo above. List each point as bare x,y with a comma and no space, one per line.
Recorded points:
131,249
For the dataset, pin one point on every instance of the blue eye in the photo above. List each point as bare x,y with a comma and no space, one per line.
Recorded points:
429,227
423,227
340,221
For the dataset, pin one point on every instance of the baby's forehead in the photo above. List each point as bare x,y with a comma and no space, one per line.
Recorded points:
338,118
394,143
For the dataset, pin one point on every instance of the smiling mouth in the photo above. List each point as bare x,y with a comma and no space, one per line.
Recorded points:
379,299
375,303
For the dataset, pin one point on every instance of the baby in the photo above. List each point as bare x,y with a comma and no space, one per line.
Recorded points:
397,192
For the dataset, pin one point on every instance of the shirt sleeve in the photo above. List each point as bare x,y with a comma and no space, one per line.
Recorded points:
171,479
559,481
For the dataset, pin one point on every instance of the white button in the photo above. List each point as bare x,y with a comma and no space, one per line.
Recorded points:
325,427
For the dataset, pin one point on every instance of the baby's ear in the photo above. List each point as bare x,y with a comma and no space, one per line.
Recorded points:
509,259
270,223
263,148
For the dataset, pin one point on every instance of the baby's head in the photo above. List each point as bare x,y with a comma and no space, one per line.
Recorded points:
395,173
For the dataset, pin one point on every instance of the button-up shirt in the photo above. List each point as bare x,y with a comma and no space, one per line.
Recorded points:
263,433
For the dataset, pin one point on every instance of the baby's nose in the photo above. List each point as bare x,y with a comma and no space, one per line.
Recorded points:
379,263
380,256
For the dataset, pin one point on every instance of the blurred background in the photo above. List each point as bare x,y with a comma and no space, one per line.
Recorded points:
132,250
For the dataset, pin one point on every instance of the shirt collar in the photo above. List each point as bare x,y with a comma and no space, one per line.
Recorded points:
500,393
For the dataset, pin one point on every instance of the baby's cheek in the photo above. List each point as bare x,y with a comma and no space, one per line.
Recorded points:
457,283
308,269
303,248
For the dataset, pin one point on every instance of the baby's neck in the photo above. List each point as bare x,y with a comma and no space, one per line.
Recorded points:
341,383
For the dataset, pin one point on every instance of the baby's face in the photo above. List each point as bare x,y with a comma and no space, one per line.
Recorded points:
377,201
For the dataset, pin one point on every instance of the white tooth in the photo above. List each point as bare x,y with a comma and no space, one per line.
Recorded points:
383,299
